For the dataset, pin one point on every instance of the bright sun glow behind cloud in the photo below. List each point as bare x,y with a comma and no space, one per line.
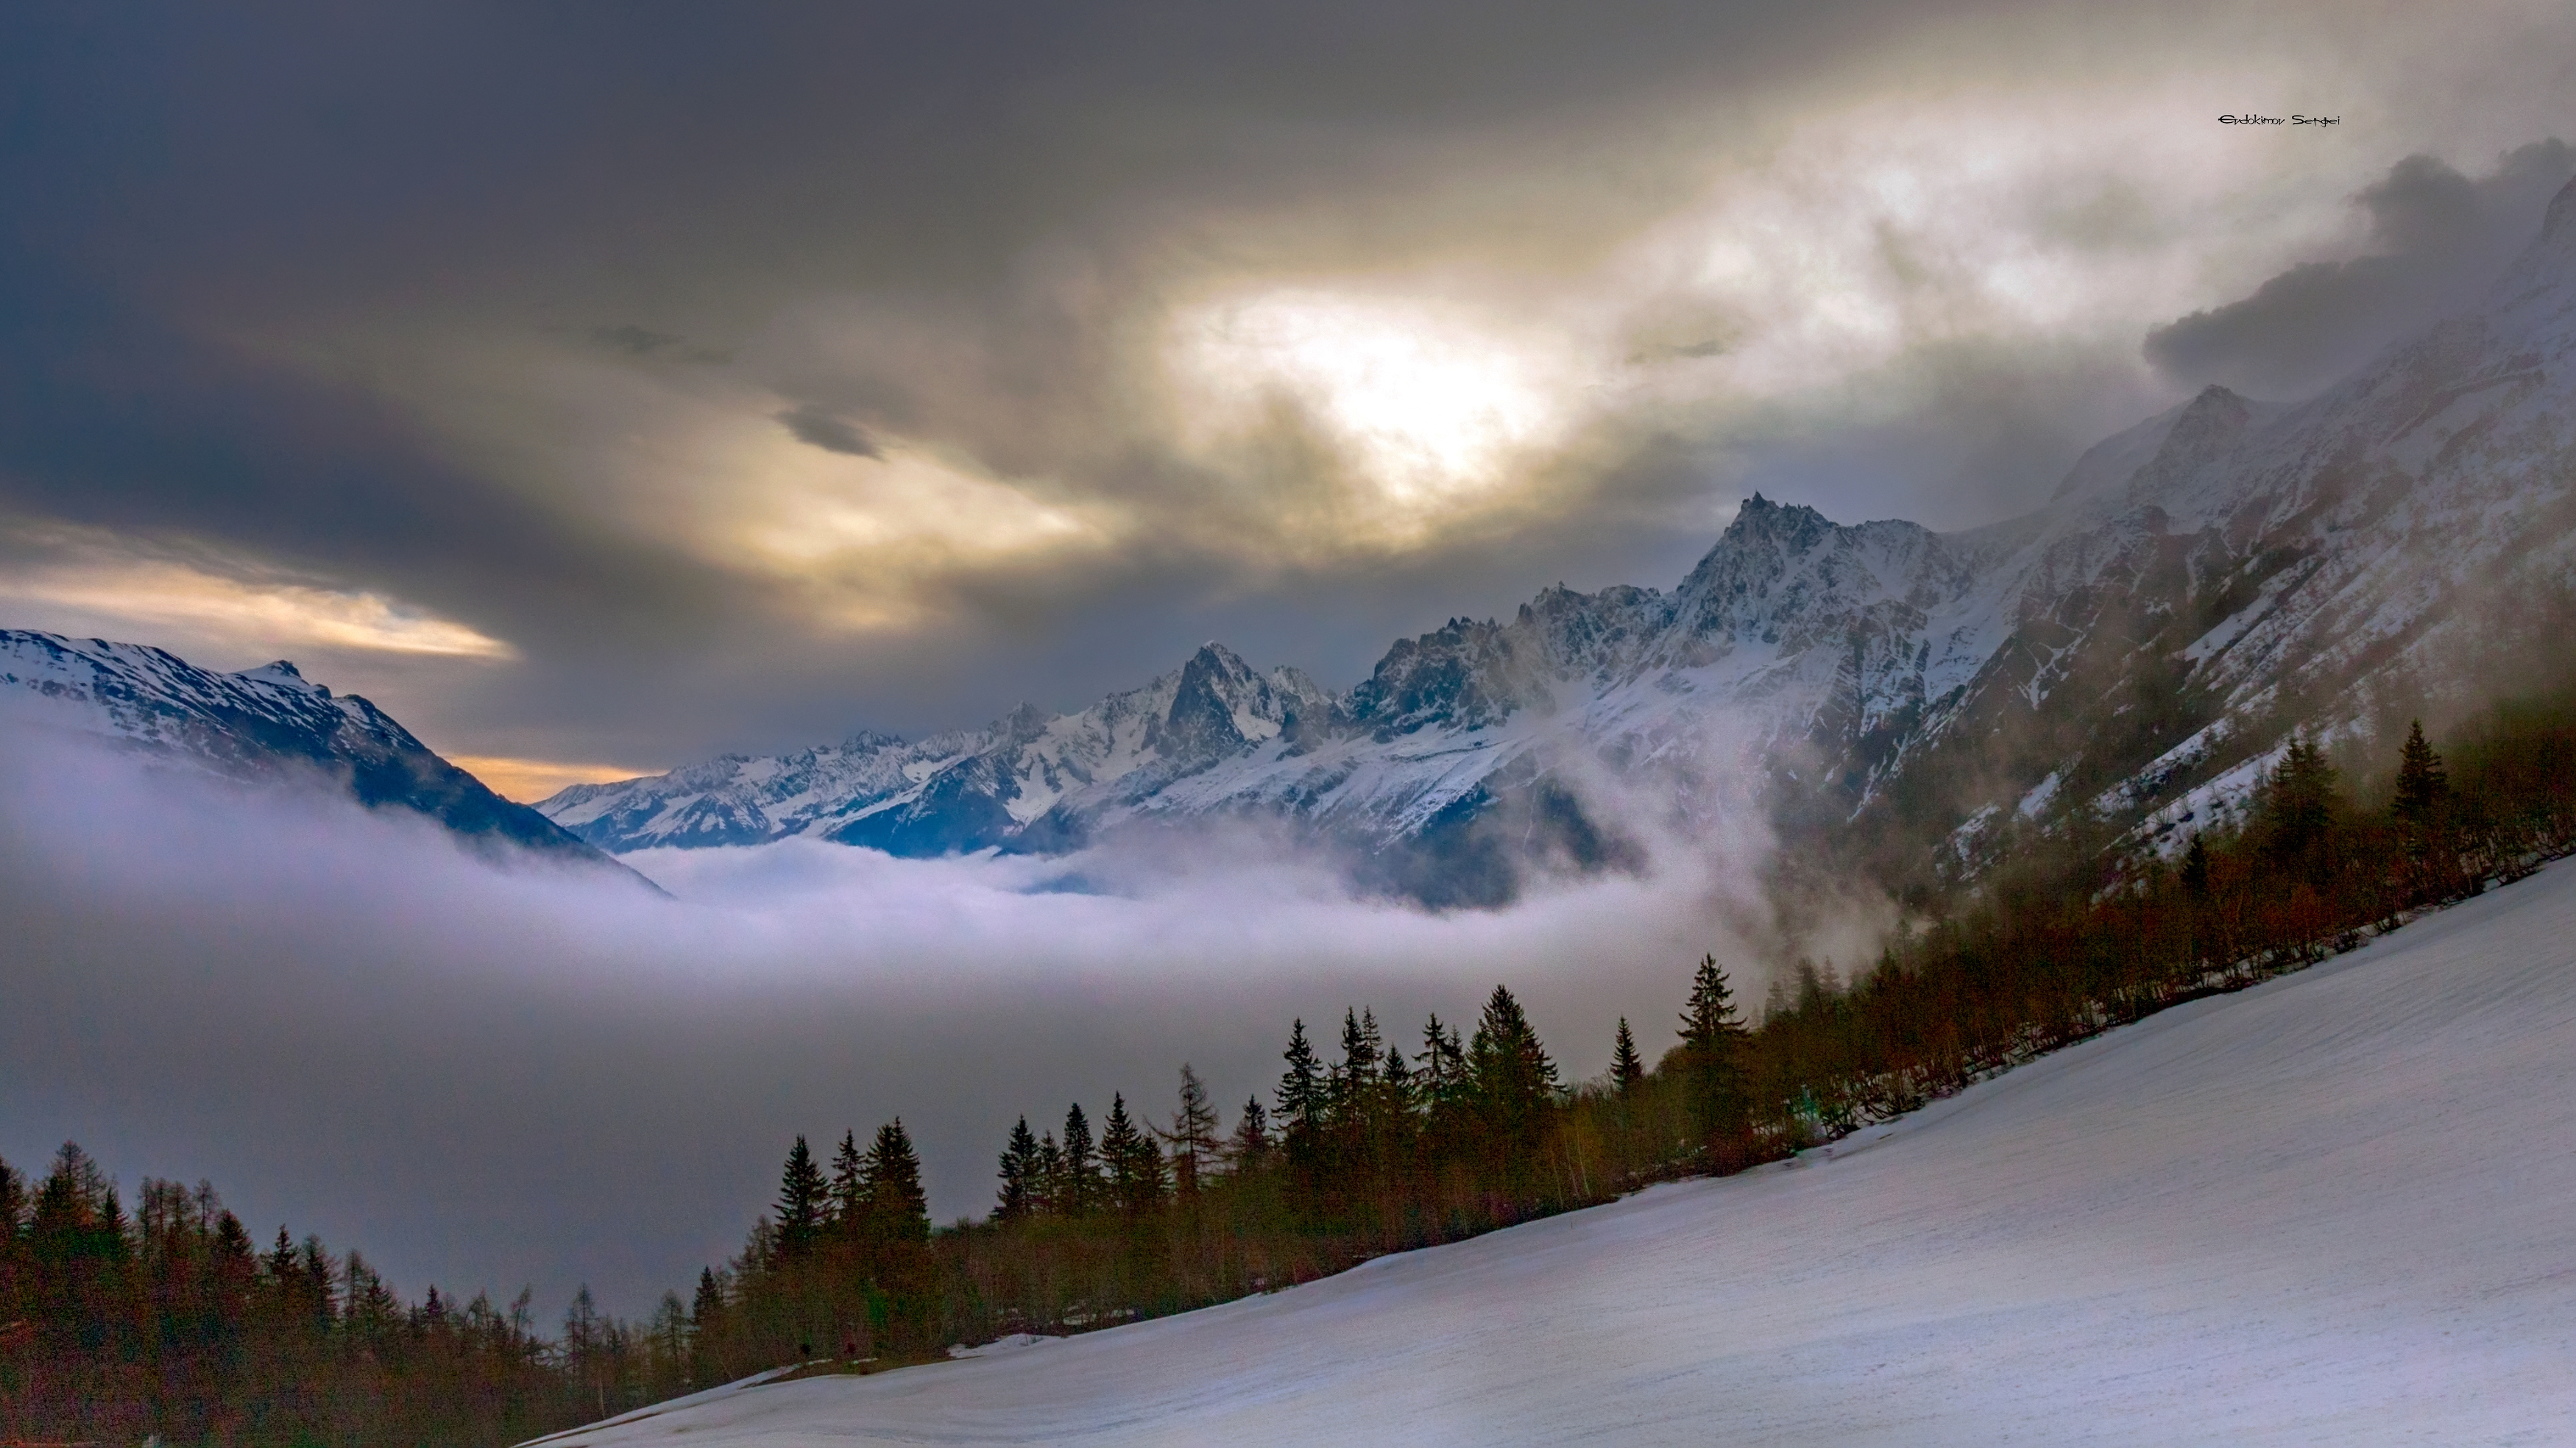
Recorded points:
1430,406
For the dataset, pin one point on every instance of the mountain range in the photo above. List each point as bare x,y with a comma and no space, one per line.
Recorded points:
2133,651
2200,584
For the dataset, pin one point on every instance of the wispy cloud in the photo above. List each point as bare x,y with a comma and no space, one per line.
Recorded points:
92,582
530,780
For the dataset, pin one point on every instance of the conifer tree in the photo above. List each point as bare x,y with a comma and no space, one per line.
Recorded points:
1510,1077
1079,1186
1354,1078
1398,1078
1626,1070
1135,1163
1049,1190
707,1308
1193,1133
801,1194
849,1190
1301,1097
2195,868
2423,785
1249,1147
2298,806
1713,1042
315,1273
897,1209
1023,1175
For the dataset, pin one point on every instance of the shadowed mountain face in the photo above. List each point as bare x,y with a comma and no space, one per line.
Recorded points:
2199,584
262,724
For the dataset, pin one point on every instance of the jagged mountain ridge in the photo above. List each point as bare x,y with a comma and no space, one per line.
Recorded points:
258,724
2197,579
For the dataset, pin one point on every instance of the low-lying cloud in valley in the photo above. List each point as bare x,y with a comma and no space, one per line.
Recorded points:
484,1076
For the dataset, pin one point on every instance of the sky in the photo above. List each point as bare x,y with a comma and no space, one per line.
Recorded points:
602,388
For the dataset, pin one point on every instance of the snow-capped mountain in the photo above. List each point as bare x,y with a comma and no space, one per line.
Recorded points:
262,723
2200,583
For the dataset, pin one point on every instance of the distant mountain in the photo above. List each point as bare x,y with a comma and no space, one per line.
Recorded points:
264,723
2200,583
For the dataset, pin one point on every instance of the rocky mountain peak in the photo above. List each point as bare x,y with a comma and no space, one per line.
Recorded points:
1219,707
284,674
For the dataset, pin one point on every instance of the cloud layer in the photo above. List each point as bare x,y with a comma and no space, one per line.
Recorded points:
550,1077
2437,238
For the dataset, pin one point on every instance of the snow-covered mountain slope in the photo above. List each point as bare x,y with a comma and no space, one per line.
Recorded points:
2200,583
2328,1210
263,723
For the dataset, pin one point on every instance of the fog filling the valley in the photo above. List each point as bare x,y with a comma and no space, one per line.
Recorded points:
485,1077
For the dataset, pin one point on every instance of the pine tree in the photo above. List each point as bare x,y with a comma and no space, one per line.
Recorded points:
1192,1135
1023,1175
1135,1163
1713,1042
1080,1185
1050,1190
1626,1070
849,1191
801,1193
1440,1071
707,1309
1510,1077
1249,1147
896,1208
2423,785
315,1272
2195,868
1301,1098
1354,1079
1398,1079
2298,807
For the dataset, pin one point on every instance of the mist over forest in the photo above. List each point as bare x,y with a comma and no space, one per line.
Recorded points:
546,1077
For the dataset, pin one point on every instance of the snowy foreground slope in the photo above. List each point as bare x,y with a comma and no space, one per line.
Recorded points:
2338,1208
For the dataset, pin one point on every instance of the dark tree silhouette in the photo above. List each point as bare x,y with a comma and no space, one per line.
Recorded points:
801,1195
1713,1042
1626,1070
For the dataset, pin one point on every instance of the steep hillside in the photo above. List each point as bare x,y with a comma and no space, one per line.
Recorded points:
2312,1212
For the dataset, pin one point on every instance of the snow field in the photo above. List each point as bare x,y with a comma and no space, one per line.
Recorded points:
2339,1208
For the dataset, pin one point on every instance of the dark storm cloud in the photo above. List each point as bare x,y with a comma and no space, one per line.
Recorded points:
2437,238
635,341
829,431
192,193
